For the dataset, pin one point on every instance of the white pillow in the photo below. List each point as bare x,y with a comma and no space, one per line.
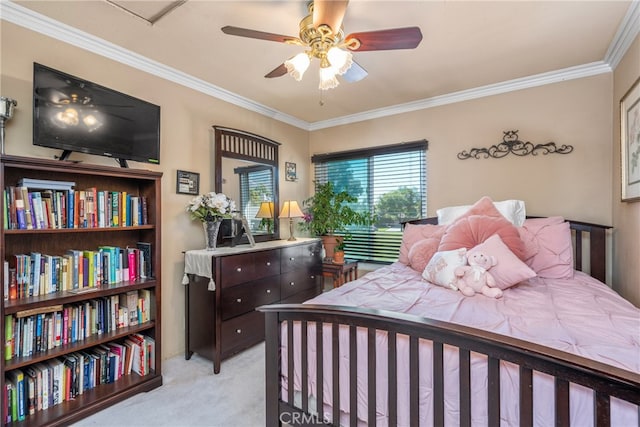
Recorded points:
441,268
513,210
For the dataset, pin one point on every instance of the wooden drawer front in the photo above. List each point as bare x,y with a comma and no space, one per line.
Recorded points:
246,297
237,269
296,281
313,255
292,258
267,263
242,332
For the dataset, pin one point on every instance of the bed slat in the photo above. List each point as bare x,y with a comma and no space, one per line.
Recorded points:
353,377
438,384
393,379
319,368
562,402
414,382
526,397
305,367
603,410
465,387
371,377
291,361
335,366
493,404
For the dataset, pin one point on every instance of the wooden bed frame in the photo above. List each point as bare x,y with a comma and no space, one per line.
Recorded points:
606,381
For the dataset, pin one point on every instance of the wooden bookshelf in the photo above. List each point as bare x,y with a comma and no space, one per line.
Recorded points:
56,241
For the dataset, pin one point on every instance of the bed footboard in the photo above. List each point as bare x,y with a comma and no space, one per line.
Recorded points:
298,353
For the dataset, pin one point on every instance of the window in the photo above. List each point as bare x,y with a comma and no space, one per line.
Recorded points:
390,181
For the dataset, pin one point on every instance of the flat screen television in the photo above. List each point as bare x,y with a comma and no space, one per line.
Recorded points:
76,115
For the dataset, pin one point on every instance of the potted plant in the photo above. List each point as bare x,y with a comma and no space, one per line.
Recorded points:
338,253
328,212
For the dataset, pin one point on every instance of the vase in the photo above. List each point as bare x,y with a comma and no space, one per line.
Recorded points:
211,229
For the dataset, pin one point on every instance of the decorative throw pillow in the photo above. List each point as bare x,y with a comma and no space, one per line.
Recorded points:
470,231
420,254
414,233
549,249
441,268
509,270
513,210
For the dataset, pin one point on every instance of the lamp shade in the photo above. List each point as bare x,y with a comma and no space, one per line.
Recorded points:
290,209
297,65
265,210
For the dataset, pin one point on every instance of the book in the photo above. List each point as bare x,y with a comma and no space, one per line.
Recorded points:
46,184
27,207
146,268
16,376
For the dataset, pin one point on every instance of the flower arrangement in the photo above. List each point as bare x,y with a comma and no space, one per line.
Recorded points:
211,207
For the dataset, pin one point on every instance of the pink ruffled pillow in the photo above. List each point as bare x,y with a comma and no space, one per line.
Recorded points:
549,248
414,233
509,270
470,231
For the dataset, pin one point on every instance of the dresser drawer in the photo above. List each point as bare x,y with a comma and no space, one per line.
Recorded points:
246,297
236,269
267,263
296,281
242,332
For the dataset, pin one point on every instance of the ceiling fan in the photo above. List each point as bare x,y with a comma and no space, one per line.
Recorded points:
322,35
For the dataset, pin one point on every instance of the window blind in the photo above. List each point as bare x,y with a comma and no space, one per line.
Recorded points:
255,187
390,182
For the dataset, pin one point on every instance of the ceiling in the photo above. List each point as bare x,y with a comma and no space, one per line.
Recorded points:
469,48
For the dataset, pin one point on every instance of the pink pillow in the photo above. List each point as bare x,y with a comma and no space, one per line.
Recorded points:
549,249
413,233
509,270
421,253
469,231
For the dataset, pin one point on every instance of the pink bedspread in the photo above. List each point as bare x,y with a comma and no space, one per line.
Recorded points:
580,316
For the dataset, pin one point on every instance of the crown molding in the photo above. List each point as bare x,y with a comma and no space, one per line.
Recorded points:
626,34
16,14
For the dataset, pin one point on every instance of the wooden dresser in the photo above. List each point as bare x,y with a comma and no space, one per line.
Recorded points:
220,303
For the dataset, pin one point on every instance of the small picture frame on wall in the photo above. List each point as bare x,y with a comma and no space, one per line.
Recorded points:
188,182
630,143
290,173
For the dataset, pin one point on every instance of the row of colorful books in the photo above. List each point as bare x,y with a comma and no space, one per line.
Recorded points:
43,385
30,332
37,274
27,209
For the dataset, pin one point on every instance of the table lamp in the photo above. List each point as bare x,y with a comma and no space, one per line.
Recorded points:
266,213
290,209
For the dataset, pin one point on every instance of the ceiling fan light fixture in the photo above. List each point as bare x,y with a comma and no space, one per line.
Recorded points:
297,65
340,59
328,78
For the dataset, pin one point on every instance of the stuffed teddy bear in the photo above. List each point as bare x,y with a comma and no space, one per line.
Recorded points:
475,277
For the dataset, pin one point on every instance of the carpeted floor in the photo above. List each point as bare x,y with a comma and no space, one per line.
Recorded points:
191,395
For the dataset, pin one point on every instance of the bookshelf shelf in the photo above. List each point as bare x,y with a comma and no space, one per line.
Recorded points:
31,320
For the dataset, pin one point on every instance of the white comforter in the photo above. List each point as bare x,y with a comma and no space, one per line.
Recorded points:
580,316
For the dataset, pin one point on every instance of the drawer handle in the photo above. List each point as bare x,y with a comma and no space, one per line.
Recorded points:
239,300
268,264
292,283
268,291
239,269
313,277
292,259
238,331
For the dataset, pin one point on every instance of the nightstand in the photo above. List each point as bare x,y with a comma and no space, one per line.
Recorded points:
341,273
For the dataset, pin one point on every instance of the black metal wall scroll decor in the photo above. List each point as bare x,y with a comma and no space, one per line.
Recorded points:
512,144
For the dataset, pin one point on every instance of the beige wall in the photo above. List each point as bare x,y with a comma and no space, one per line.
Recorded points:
576,112
626,216
186,120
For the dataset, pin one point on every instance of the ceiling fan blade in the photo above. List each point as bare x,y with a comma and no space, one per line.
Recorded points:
329,12
355,73
279,71
253,34
396,38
